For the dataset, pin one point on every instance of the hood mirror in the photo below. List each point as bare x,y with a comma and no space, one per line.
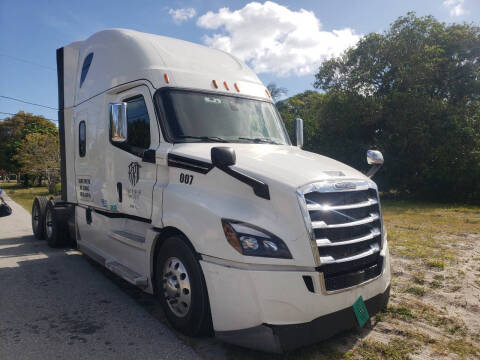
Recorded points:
118,122
299,132
374,158
223,157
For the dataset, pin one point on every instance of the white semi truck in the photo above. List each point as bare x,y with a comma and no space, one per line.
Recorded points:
178,175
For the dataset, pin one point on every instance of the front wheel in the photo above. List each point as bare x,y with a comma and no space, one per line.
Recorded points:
181,288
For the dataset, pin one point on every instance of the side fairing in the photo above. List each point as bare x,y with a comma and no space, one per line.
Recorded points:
67,58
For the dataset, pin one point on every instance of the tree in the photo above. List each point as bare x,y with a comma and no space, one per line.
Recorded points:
305,106
414,93
276,92
39,155
12,132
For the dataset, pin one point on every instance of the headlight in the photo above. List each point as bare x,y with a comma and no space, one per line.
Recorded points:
251,240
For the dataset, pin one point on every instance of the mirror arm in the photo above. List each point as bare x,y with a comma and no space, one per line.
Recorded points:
224,157
298,132
259,187
373,170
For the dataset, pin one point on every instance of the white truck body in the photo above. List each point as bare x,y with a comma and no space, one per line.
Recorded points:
124,203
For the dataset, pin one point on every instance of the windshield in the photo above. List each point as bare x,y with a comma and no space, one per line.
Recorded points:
204,117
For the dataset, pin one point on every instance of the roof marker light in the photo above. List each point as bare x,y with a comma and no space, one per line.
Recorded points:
226,85
236,87
214,82
165,77
268,93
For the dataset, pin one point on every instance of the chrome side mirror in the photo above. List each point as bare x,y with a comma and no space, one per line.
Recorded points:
299,132
374,158
118,122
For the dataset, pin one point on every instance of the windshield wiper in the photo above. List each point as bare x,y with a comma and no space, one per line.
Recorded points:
204,138
260,140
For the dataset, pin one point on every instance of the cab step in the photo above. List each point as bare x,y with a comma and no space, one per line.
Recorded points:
126,273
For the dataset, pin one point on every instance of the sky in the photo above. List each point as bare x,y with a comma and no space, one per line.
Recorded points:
283,41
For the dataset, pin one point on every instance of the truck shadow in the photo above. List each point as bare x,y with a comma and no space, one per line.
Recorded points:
54,304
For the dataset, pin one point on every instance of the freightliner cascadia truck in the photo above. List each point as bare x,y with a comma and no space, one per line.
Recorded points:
178,175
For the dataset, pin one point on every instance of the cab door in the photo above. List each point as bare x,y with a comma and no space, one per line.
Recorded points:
132,163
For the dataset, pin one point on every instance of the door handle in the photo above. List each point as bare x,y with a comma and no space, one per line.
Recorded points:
88,216
119,191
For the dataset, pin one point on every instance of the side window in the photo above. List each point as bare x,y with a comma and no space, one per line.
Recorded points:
82,138
138,123
86,65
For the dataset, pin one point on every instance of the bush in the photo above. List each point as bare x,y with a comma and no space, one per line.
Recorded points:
57,189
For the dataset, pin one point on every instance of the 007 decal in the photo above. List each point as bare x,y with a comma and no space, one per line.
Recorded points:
186,179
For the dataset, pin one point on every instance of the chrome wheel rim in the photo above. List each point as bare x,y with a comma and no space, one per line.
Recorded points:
176,287
49,223
35,217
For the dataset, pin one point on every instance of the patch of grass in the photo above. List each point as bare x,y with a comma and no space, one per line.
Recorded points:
400,312
435,264
437,317
418,278
416,290
432,218
426,232
435,284
23,196
454,288
464,349
396,349
470,221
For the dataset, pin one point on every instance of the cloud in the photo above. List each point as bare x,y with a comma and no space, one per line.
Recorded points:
456,7
275,39
182,14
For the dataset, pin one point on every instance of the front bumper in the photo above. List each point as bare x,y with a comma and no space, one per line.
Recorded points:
281,338
251,304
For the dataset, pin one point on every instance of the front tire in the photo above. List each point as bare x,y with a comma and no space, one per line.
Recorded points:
38,217
181,288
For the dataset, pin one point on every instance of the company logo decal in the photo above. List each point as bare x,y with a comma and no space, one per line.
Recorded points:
345,186
133,173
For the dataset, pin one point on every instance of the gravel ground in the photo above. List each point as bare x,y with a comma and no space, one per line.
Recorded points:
54,304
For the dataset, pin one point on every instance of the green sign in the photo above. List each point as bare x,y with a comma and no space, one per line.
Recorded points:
361,311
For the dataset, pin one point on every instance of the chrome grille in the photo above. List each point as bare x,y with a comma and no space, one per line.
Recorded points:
346,229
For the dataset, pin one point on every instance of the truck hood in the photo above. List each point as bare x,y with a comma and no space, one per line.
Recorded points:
286,164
